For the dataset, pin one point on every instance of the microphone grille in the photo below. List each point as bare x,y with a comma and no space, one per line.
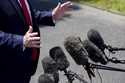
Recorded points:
73,42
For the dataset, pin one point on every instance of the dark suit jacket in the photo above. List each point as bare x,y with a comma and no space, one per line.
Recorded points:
14,62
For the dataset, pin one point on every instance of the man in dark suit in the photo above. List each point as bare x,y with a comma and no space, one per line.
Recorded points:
20,38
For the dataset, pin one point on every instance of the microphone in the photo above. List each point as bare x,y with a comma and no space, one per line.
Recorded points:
46,78
94,53
50,67
95,37
57,54
75,48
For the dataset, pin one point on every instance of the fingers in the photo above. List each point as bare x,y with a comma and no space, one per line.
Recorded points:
31,39
67,4
34,39
35,44
33,34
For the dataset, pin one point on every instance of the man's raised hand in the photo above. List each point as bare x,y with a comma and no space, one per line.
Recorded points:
60,9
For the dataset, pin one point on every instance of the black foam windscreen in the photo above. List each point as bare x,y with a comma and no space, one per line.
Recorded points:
49,78
94,53
49,65
75,48
59,56
95,37
45,78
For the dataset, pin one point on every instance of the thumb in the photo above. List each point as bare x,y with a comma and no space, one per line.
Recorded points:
30,29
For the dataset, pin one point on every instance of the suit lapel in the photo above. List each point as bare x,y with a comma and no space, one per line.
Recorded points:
17,7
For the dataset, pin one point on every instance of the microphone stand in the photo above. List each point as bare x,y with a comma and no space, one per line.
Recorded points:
72,75
105,67
90,66
69,76
112,49
116,61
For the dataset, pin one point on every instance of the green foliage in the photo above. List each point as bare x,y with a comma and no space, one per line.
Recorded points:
117,6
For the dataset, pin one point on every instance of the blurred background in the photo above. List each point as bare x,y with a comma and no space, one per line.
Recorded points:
115,6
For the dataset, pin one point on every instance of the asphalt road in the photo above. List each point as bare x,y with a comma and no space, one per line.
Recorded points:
78,22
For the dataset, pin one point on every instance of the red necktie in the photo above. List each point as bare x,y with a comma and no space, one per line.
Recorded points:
28,22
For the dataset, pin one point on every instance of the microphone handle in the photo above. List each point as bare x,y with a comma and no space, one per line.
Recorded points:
119,49
116,61
89,70
69,77
116,49
77,76
106,68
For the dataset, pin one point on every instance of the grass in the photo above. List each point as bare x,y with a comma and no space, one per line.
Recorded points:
116,6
